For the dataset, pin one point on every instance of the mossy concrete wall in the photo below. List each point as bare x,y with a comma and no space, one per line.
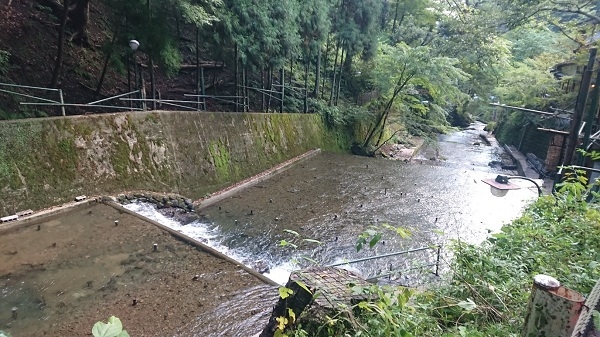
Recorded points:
48,161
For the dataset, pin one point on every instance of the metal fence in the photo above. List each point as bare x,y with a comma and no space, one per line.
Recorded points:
424,265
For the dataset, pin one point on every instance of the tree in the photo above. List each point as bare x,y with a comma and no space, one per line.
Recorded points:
78,17
400,70
61,45
314,29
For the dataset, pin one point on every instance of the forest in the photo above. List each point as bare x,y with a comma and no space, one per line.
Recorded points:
415,67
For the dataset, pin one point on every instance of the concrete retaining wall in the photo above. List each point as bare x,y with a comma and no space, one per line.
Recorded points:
48,161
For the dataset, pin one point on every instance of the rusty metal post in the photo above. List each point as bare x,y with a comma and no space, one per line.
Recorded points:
553,309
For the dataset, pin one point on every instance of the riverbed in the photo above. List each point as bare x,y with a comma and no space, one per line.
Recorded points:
332,198
311,213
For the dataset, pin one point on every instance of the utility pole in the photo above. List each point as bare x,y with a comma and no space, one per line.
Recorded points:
573,138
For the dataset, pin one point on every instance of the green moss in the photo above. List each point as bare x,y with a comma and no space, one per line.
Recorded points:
221,159
42,156
152,117
120,159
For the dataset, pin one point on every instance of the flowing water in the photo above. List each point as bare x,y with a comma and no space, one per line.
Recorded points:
333,198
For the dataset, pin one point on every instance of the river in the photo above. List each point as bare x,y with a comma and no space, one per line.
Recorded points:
333,198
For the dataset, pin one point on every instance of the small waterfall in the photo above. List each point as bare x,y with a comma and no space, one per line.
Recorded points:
243,315
279,268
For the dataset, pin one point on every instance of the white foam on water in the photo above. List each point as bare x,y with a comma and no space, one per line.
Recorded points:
278,272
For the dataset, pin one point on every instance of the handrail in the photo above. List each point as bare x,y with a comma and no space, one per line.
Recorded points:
438,248
60,93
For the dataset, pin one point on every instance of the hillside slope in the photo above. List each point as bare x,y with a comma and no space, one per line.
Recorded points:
29,34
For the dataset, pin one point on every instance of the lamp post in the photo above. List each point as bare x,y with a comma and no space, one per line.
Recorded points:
134,45
500,186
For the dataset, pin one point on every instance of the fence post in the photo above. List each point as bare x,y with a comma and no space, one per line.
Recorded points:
553,309
62,102
437,262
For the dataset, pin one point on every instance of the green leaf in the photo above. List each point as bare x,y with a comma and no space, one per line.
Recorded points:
596,317
284,243
364,305
282,322
405,333
113,328
438,232
404,233
374,240
285,292
279,333
291,315
311,260
291,232
303,286
467,305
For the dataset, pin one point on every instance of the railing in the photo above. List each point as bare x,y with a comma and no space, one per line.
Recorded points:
437,249
49,101
61,103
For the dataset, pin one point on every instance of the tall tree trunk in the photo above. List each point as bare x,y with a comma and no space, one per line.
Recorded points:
317,73
237,70
61,44
105,65
197,67
152,82
306,68
339,85
291,70
177,26
328,44
282,75
337,49
270,85
395,17
262,93
245,88
80,16
151,63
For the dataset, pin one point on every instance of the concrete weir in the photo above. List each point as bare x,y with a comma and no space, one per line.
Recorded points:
55,212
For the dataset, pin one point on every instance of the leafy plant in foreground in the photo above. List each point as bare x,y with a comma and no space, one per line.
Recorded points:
113,328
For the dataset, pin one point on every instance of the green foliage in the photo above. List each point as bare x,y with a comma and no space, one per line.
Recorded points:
490,127
415,85
4,56
554,236
113,328
373,234
199,14
171,59
297,241
4,334
345,115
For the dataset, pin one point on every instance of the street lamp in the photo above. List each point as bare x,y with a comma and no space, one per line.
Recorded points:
134,45
500,186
